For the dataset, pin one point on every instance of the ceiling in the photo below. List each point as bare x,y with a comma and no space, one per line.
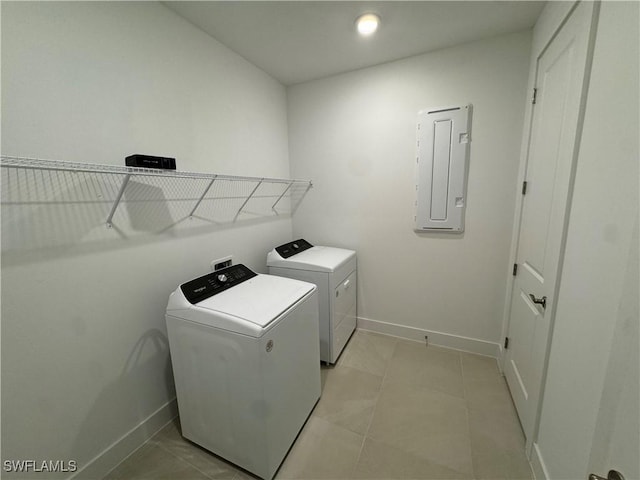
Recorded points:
298,41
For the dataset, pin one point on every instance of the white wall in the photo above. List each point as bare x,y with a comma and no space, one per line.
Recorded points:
84,348
355,136
600,253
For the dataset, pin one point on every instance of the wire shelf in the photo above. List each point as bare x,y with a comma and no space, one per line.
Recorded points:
148,193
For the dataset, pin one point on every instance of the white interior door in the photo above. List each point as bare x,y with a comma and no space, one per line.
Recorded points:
560,79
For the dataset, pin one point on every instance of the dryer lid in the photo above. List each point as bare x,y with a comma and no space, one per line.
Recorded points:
316,259
257,301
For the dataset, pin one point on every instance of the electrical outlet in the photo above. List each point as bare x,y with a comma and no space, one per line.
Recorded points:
222,263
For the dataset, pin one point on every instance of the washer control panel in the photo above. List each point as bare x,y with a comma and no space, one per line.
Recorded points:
213,283
290,249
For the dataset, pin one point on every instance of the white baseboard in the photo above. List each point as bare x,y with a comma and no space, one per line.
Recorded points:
457,342
537,464
127,444
501,354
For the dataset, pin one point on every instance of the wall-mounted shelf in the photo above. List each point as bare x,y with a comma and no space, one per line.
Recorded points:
29,181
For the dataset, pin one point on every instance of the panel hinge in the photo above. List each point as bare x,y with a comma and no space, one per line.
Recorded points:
506,342
524,187
534,96
515,269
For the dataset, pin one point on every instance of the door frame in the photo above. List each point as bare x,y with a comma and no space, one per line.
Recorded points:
551,20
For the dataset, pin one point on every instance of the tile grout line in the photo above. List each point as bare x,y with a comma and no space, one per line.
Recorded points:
466,408
179,457
375,407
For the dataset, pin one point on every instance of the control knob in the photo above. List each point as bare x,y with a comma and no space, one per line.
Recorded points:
222,278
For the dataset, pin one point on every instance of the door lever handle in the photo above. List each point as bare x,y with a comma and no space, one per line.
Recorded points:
539,301
612,475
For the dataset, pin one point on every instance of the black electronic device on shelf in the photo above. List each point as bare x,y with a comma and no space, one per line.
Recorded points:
149,161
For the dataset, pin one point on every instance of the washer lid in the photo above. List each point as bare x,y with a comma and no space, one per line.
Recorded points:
247,308
259,300
316,259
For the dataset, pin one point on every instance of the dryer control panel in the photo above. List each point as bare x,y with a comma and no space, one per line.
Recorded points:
290,249
213,283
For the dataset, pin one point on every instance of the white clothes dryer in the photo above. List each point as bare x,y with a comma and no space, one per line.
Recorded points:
334,272
245,356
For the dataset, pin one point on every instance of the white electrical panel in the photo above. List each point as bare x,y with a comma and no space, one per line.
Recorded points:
443,157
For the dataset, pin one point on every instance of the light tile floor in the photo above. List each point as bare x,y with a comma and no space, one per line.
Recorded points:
390,409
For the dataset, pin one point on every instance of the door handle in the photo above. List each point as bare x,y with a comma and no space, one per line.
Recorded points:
612,475
539,301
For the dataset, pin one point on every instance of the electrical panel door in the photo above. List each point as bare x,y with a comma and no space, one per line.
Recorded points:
443,157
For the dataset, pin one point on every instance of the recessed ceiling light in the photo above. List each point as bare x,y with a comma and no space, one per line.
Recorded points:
367,24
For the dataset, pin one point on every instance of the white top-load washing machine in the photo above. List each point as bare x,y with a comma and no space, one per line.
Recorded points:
333,271
246,363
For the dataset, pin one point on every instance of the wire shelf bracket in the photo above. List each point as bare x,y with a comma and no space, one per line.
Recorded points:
248,198
273,207
204,194
117,202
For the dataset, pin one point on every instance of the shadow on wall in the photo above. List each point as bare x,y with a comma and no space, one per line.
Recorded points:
120,404
59,211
